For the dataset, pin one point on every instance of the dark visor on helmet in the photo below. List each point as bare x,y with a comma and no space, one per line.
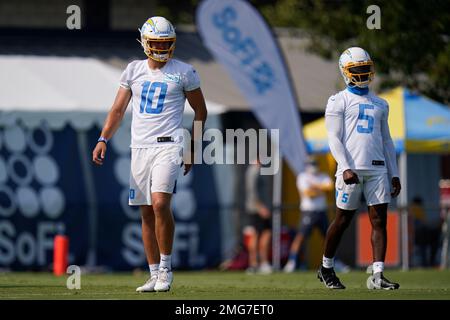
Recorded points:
360,69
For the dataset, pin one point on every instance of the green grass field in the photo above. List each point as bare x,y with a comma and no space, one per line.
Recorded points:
418,284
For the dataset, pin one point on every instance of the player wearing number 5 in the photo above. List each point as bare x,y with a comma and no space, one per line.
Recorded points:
158,88
360,142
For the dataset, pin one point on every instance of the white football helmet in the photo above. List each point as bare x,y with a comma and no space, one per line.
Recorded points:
356,67
158,29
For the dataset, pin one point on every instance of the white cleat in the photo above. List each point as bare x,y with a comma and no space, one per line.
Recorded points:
149,286
370,284
289,267
164,281
378,281
265,268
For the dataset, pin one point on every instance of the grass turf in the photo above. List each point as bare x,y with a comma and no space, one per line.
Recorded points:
417,284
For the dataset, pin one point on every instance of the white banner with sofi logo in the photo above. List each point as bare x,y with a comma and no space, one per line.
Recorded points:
242,42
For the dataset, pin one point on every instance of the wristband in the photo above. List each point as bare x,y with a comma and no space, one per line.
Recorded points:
103,139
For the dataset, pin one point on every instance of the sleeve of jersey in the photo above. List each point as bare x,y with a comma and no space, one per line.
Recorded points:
125,78
389,149
334,122
191,80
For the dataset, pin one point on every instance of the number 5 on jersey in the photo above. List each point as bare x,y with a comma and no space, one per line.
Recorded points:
363,116
152,97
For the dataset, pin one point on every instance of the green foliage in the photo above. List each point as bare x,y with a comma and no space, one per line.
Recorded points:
412,48
178,11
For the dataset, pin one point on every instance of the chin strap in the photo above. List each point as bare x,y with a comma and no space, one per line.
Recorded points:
357,90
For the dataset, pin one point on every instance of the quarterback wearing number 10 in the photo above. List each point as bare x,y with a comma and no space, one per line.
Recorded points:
360,142
158,88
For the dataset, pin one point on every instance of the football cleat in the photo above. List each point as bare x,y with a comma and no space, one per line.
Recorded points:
356,67
251,270
265,268
164,281
158,29
378,281
148,286
290,266
329,278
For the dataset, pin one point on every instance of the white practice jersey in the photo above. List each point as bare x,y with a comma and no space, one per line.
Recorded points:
358,133
158,99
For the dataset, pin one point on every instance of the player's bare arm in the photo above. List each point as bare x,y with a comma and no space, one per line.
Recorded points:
112,123
325,186
311,192
396,186
350,177
197,102
263,211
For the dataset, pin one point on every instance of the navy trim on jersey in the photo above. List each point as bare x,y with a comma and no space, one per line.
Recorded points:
357,90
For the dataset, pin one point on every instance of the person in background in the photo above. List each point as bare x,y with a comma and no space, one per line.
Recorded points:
427,234
417,214
258,206
312,186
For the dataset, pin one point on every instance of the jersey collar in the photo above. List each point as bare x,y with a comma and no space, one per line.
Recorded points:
357,90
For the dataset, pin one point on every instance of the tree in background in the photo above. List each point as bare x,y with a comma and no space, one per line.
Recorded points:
412,48
177,11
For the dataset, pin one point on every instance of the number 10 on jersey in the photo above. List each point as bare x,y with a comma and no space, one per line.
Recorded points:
152,97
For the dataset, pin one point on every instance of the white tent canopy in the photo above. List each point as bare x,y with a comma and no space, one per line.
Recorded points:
60,90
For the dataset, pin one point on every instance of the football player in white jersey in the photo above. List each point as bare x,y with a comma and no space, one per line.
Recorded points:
157,87
360,142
